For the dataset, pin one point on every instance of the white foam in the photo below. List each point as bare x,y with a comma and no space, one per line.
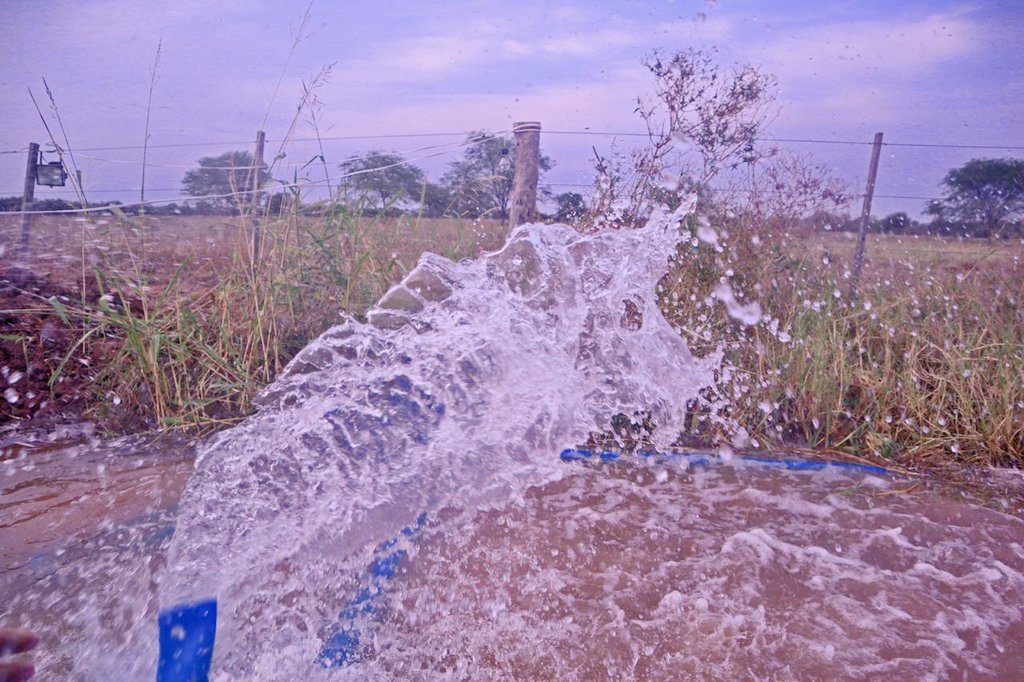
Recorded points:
474,378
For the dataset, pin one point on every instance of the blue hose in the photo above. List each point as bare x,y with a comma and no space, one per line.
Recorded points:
708,460
186,642
342,647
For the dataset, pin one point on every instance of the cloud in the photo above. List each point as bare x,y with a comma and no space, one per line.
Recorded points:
474,50
890,48
701,29
602,101
853,74
587,43
433,57
438,54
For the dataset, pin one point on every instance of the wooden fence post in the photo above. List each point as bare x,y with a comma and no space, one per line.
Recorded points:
865,216
28,195
523,208
257,166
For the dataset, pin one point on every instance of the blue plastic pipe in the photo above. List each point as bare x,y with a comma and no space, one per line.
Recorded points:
707,460
186,642
342,647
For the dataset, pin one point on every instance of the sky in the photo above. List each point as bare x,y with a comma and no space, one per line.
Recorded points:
923,72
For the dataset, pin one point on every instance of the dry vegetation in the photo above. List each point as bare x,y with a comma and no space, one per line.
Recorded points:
163,322
927,362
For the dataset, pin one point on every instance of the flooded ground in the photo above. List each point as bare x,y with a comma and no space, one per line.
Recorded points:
82,524
629,570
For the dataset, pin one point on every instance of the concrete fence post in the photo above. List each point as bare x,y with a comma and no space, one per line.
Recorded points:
865,216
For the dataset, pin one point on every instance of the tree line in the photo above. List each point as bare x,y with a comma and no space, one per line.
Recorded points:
477,185
983,198
705,122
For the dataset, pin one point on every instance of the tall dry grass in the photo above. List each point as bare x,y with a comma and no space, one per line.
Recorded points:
927,361
188,328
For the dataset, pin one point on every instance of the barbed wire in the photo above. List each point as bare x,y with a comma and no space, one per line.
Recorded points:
860,143
481,139
599,133
587,185
344,159
174,145
744,190
471,138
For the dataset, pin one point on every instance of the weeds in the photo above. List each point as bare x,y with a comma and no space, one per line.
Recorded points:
191,349
928,362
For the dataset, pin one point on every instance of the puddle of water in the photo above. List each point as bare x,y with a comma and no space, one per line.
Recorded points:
84,524
631,570
68,489
626,572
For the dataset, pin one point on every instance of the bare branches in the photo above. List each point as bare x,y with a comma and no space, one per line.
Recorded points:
705,123
718,113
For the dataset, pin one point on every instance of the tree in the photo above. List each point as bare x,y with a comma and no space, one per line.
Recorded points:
10,203
480,184
571,206
987,192
897,223
226,176
703,119
718,113
383,178
436,200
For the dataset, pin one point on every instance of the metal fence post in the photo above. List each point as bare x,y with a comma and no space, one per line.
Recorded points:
27,197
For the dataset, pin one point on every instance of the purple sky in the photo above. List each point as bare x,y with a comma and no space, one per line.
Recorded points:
930,72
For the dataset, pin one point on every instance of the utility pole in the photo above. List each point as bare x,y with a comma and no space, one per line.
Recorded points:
28,195
865,215
523,208
257,163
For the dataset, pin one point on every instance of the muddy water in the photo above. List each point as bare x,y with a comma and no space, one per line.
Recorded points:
615,571
82,524
644,573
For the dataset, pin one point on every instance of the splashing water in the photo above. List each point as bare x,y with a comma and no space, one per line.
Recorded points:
466,384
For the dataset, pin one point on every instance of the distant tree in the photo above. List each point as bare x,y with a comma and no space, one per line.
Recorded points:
898,223
986,192
480,184
279,203
383,179
571,206
227,176
53,205
14,204
436,200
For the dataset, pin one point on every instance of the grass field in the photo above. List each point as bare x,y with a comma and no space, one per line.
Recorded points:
179,330
164,321
926,363
67,248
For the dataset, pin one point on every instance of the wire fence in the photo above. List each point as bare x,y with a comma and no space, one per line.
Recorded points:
430,153
408,158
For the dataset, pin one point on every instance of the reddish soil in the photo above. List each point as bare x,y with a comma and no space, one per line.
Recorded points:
34,342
